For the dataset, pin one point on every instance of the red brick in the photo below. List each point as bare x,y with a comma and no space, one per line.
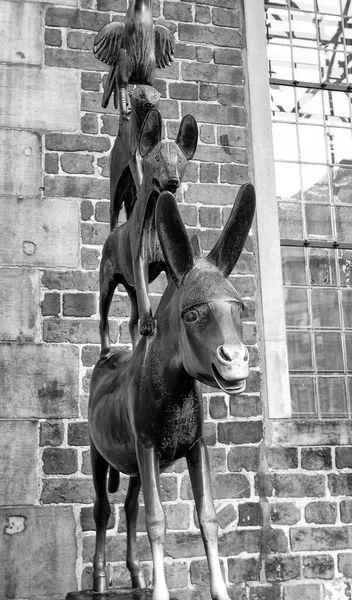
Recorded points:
209,194
115,5
213,74
346,511
225,18
188,214
228,56
207,134
79,305
295,486
67,491
344,564
170,72
209,153
110,124
76,331
51,305
91,102
168,488
89,123
264,592
202,14
217,407
78,434
210,433
102,212
94,233
87,210
183,91
178,11
223,3
91,82
250,514
340,484
226,516
70,280
209,173
76,187
245,406
243,457
243,570
234,174
87,519
76,142
318,567
282,458
120,306
52,163
229,485
72,59
204,54
344,457
236,542
104,164
177,575
80,40
216,36
185,51
51,433
232,136
74,18
320,538
284,513
53,37
283,568
316,459
246,288
303,591
217,459
59,461
249,333
77,163
244,432
321,512
169,109
208,92
86,467
199,572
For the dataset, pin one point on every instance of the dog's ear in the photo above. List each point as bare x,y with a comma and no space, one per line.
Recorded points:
151,131
187,137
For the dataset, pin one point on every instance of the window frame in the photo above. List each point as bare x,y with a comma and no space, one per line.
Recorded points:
281,428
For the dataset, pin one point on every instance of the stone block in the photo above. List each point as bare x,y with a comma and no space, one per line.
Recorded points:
18,466
40,381
19,299
40,233
38,552
21,33
20,167
33,98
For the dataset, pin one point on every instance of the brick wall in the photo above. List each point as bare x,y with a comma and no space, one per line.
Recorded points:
283,512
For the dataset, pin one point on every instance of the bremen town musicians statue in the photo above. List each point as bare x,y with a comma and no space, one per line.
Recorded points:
145,407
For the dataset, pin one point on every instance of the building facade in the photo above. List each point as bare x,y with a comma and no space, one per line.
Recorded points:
269,85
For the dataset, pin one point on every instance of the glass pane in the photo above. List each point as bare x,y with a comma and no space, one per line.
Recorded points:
343,215
348,32
347,307
306,65
339,145
342,184
348,338
287,181
332,396
345,267
302,396
296,307
299,351
330,32
328,351
310,103
322,266
336,107
293,265
315,183
329,6
290,221
277,24
282,102
333,67
307,5
303,29
312,143
325,308
318,221
285,141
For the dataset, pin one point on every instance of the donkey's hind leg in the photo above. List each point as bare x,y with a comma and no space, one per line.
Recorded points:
101,518
107,288
133,324
131,510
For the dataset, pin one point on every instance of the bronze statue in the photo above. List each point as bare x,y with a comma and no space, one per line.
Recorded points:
131,254
126,162
133,49
145,407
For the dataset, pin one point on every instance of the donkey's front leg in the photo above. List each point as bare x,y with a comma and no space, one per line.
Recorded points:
198,467
131,511
154,516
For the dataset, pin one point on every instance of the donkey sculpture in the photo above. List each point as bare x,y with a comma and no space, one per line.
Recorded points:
131,254
145,407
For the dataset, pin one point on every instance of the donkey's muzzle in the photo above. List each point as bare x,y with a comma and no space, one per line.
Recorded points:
172,185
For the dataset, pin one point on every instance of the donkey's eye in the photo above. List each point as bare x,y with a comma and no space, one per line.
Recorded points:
190,316
157,158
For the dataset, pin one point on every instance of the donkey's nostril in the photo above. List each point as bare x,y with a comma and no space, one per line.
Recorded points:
225,354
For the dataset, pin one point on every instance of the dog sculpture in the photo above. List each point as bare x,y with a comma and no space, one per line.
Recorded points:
145,407
133,49
131,254
126,162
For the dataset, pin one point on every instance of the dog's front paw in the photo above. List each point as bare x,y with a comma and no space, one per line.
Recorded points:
148,326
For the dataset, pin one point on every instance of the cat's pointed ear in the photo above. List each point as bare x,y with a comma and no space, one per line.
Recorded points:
174,241
151,132
229,246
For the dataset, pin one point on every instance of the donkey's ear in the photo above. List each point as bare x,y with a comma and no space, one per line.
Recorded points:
187,137
151,131
228,248
196,247
173,237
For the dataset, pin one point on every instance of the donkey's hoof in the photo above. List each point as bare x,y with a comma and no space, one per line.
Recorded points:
99,584
148,326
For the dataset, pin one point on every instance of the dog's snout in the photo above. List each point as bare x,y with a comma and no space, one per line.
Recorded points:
172,184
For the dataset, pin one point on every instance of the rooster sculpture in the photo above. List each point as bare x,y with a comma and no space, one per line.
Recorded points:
132,49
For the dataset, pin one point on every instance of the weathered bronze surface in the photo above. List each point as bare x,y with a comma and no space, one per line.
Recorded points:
131,254
145,407
113,594
133,49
